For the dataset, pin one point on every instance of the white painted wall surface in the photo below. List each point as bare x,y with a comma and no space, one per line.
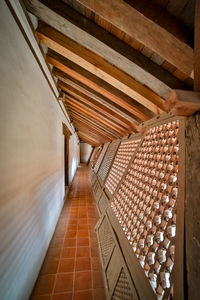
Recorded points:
85,152
31,162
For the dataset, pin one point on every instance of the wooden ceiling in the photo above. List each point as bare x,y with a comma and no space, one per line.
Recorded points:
116,62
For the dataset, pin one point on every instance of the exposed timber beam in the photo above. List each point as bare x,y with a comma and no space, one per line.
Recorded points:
149,33
163,18
101,119
98,107
92,128
140,67
72,100
64,66
197,48
73,114
102,68
88,139
96,96
92,120
91,132
183,103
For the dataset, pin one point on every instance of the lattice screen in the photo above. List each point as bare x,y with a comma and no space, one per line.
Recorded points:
105,240
145,205
122,159
105,166
122,289
101,156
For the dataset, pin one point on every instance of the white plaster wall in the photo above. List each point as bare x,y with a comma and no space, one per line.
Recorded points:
85,150
31,162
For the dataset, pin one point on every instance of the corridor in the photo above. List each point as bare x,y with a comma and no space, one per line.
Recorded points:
72,270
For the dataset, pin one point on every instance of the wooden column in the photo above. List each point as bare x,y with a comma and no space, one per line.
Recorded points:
192,206
197,48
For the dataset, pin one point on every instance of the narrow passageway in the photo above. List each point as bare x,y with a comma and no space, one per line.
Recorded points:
72,269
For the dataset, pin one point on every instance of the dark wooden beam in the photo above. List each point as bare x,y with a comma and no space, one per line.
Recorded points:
150,34
99,98
197,48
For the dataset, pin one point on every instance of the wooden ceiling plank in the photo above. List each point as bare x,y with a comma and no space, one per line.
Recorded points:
126,115
197,48
100,67
156,38
91,113
131,61
63,68
93,121
74,115
91,103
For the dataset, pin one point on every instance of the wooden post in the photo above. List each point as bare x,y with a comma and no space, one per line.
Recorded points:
192,206
197,48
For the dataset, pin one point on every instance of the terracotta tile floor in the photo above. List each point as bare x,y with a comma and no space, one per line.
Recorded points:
71,269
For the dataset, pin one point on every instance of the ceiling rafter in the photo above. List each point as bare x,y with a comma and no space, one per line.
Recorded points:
76,94
145,31
99,98
141,68
106,120
88,139
96,116
92,120
97,65
93,128
73,115
84,128
64,66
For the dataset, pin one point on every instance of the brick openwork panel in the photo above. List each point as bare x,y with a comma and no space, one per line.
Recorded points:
122,159
100,158
146,205
108,159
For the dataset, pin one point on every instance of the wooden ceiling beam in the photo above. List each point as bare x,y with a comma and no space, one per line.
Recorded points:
72,100
141,28
87,139
99,98
97,65
66,20
91,133
93,121
95,126
71,91
92,128
91,113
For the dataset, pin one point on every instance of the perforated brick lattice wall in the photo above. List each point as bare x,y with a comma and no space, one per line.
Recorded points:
101,156
145,205
106,240
105,166
122,289
122,159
